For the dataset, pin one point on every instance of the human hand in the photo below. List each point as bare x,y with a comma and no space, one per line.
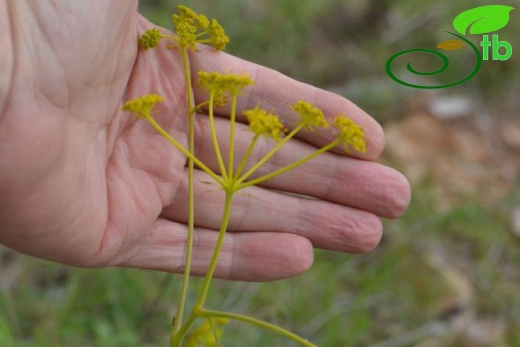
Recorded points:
84,184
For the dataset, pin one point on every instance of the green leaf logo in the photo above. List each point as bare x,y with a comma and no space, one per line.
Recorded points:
482,20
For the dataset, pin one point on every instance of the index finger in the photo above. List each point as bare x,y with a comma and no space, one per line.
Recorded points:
277,92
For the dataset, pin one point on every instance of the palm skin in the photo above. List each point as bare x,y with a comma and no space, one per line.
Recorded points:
85,184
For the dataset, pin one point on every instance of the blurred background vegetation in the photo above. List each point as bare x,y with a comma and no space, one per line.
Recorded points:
447,274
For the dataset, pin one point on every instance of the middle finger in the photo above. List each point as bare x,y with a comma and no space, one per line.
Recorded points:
254,209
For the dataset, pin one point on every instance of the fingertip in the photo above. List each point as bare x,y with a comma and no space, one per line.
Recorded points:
269,257
295,256
303,255
400,199
371,236
375,137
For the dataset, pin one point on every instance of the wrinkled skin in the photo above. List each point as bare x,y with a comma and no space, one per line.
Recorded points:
84,184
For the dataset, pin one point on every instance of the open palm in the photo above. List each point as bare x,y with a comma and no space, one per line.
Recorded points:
85,184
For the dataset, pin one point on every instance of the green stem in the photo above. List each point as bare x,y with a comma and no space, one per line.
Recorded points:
214,136
201,105
191,218
216,253
269,155
288,167
179,335
177,338
183,150
231,156
286,333
171,38
246,157
204,41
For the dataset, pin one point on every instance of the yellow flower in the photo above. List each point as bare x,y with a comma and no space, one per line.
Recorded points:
225,82
310,116
186,31
350,134
199,20
191,26
263,123
142,106
218,37
150,38
207,334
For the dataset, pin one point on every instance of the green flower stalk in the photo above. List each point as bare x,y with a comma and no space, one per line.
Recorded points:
223,89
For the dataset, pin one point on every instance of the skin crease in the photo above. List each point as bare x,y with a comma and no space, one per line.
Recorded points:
84,184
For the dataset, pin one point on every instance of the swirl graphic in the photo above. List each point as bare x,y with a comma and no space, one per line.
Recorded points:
445,65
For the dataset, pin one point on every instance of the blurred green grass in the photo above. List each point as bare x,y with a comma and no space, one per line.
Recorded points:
342,301
431,270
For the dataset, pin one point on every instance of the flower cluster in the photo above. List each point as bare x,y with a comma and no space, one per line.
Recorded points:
142,106
215,81
190,26
350,134
310,116
150,38
263,123
218,38
185,13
